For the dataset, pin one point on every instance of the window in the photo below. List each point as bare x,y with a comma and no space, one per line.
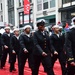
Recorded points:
66,1
30,1
10,3
64,16
73,0
22,2
45,4
26,19
19,2
52,21
1,6
39,5
21,18
52,3
1,18
11,17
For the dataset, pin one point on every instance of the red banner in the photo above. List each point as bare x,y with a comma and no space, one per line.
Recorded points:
26,6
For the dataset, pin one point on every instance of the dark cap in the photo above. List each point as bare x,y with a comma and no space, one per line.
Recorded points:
41,22
74,20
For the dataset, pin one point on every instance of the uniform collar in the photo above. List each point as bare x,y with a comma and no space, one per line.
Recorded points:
27,34
7,34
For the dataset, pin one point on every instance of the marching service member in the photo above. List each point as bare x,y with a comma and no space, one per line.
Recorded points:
6,46
57,44
0,48
26,43
42,51
70,48
15,48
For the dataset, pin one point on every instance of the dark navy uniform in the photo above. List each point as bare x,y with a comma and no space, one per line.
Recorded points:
26,42
0,49
15,46
57,44
0,46
70,50
42,44
5,41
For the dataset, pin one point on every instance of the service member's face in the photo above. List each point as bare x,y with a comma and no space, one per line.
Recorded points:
27,30
74,23
7,30
60,29
41,27
56,30
16,33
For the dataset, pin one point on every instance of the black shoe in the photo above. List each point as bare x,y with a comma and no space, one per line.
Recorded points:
10,70
14,69
1,67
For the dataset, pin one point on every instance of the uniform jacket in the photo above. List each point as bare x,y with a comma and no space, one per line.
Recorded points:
41,43
26,42
57,43
6,39
15,44
70,44
0,45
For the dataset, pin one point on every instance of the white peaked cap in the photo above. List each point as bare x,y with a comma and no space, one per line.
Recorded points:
7,27
41,20
73,19
16,29
55,26
60,27
27,26
72,23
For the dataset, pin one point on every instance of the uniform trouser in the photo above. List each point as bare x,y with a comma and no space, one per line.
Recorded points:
13,60
4,56
31,61
62,61
0,61
22,61
0,55
46,61
71,69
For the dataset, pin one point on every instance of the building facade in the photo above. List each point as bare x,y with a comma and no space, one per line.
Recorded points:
11,15
48,9
24,19
67,10
8,12
3,11
13,12
40,9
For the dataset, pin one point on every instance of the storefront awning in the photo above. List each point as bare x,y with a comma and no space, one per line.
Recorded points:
47,17
67,8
